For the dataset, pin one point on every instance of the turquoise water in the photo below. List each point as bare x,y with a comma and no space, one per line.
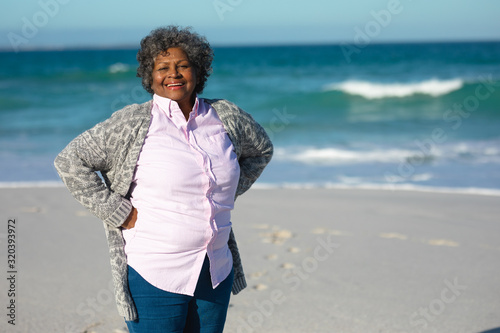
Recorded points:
404,115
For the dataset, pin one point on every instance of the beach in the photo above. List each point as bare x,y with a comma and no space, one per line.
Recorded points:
379,211
316,260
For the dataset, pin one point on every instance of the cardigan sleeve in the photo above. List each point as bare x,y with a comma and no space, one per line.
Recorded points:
256,150
78,165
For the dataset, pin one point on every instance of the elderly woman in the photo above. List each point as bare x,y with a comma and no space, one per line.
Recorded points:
172,168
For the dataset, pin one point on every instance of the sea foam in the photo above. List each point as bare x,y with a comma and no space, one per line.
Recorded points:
380,187
335,156
374,90
462,152
118,68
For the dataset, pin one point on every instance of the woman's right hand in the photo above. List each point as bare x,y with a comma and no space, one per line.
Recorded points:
130,221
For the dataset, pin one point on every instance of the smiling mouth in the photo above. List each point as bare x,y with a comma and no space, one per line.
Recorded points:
175,85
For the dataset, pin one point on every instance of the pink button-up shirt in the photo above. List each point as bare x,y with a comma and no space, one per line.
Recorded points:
183,188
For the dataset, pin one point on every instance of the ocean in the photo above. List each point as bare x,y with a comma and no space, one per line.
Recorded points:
420,116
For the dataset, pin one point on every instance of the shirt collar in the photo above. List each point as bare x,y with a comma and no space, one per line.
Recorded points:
168,106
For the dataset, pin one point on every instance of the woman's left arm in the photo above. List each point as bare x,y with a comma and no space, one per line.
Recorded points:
256,151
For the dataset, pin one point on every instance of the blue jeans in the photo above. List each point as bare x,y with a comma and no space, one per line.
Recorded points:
162,311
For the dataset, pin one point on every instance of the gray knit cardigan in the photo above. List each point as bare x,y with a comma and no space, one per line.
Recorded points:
112,148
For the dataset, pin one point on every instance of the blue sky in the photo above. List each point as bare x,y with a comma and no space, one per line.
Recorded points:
70,23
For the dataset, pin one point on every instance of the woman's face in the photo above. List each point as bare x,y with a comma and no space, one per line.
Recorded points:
174,77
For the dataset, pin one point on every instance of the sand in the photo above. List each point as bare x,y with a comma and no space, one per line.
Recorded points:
316,260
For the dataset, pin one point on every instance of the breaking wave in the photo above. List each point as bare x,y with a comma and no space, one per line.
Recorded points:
373,90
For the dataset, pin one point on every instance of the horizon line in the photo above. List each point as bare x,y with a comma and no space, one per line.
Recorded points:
48,48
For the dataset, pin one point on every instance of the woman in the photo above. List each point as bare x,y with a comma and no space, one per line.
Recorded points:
172,168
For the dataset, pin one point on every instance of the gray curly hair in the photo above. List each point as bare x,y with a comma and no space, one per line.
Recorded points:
197,48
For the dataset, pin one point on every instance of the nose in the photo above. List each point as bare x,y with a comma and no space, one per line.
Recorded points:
173,72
